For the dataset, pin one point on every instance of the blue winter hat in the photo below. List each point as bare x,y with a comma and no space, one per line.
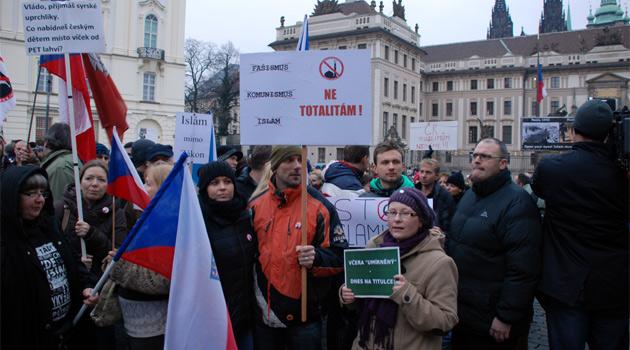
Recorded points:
101,149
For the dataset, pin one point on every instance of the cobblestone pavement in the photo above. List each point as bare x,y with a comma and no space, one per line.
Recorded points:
538,329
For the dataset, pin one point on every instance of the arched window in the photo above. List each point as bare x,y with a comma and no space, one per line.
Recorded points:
150,31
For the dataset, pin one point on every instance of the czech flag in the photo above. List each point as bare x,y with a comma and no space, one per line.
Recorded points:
540,83
170,238
83,122
123,179
303,40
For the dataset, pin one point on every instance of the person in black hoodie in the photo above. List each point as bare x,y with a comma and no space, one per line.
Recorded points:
228,223
495,240
43,283
584,284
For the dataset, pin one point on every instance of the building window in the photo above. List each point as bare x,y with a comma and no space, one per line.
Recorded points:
421,86
434,109
387,52
490,130
472,134
404,127
449,85
507,83
344,47
473,108
321,155
395,90
413,94
395,122
436,86
490,83
150,31
412,119
386,87
507,134
396,56
555,82
507,107
360,47
490,107
405,61
449,109
41,127
404,92
448,157
473,84
385,123
420,109
555,105
339,153
413,64
45,81
534,109
148,87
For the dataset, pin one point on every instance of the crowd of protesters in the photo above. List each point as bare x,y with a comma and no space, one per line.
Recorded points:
476,245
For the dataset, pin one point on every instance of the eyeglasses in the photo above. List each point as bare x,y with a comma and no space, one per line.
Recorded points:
391,214
484,156
35,194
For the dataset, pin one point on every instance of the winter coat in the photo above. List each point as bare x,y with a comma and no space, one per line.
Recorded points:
234,251
427,302
58,165
443,205
344,176
276,217
245,184
98,240
26,295
585,249
495,240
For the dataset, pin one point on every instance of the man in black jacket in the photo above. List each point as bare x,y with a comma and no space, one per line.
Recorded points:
584,285
495,240
443,203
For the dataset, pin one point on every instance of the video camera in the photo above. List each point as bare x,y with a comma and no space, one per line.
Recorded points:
619,138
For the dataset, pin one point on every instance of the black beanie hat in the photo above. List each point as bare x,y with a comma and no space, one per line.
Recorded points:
140,150
417,201
159,150
457,178
594,120
212,170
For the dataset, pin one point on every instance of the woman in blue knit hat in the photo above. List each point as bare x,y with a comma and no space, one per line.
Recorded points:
423,303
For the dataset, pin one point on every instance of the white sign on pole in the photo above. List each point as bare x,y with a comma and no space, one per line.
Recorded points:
362,218
306,98
58,27
194,134
440,135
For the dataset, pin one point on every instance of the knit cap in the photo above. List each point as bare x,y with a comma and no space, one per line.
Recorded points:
212,170
101,149
593,120
417,201
456,178
158,150
281,153
224,152
140,151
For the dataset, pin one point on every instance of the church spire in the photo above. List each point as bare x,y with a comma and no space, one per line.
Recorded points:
569,25
501,23
553,19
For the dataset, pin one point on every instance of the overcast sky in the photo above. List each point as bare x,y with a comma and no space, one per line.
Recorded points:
250,24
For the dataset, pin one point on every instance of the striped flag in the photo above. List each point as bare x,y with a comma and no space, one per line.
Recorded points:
7,98
541,91
123,179
303,41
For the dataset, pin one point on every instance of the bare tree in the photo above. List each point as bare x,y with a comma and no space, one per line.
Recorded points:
199,57
225,92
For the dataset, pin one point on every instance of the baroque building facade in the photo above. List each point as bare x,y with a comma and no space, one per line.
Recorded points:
487,83
144,54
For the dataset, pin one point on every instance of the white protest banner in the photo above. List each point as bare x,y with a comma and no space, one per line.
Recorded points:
194,134
306,98
362,218
440,135
57,27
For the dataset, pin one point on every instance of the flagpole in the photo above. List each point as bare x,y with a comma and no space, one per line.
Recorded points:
30,123
95,290
113,222
73,139
537,70
304,229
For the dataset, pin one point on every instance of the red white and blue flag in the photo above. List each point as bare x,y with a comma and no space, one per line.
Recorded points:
541,91
7,98
123,179
170,238
55,64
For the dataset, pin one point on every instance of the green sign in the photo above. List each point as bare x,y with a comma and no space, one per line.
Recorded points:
370,272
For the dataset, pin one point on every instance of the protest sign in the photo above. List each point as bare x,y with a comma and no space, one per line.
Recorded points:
194,134
440,135
361,218
370,272
546,133
57,27
306,98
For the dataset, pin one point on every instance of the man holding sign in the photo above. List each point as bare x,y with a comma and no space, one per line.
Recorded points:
277,224
423,300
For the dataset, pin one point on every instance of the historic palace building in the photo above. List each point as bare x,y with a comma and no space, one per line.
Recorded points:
486,85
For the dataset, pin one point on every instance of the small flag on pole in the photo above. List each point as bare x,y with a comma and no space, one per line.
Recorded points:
540,83
303,41
123,179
